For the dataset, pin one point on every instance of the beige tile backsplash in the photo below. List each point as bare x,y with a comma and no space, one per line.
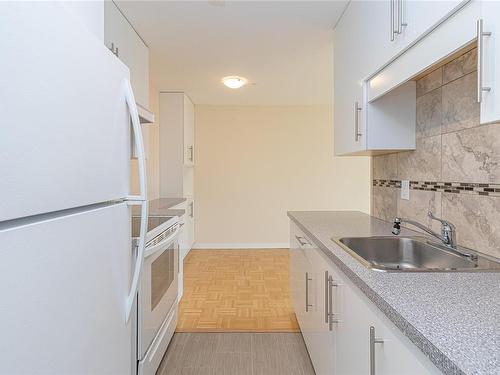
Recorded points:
472,155
385,167
460,106
430,82
460,66
451,147
429,114
422,164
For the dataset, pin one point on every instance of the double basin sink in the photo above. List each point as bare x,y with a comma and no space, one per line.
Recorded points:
414,254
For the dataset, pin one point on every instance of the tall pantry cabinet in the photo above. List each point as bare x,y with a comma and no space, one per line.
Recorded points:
177,160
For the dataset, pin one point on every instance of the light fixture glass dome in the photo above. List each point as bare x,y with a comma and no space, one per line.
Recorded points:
234,82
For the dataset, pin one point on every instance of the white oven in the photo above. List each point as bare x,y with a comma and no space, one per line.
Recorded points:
157,297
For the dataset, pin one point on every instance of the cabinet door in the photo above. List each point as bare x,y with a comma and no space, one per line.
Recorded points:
322,333
421,16
188,132
397,354
299,287
186,237
352,330
190,224
349,70
184,248
121,38
490,67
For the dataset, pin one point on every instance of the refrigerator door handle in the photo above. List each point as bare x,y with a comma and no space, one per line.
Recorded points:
139,143
136,276
137,199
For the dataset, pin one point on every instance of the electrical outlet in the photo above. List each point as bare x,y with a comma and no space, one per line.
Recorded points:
405,189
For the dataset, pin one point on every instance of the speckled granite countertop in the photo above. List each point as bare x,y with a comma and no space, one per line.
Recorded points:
162,207
454,318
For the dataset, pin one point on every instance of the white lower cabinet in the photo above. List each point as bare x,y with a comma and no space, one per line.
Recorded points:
309,291
339,320
186,237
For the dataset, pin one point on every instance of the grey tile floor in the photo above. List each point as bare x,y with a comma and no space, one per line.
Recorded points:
236,354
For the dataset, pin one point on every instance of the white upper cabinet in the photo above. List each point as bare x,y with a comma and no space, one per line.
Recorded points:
448,37
412,18
176,145
362,44
395,24
349,72
121,38
188,132
380,47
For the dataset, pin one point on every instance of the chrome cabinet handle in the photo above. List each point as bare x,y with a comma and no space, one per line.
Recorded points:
113,49
330,304
400,17
331,314
327,288
392,20
357,109
302,241
191,153
373,341
480,34
396,17
307,292
191,205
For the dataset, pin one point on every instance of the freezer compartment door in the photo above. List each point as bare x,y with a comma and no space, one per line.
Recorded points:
64,283
65,126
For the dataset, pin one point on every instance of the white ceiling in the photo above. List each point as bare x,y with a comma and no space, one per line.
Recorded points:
284,48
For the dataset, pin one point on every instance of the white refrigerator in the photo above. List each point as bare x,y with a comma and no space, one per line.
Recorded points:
68,279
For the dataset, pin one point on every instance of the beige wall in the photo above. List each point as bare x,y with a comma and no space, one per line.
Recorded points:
254,163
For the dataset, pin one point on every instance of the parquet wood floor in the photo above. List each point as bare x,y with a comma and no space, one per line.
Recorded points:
236,291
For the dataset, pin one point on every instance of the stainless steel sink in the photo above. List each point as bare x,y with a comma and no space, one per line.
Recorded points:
416,254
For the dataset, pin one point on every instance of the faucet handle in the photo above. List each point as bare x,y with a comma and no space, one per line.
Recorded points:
443,222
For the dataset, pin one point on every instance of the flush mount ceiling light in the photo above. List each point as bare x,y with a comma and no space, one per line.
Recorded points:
234,82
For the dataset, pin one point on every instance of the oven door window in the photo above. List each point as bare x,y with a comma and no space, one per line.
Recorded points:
162,275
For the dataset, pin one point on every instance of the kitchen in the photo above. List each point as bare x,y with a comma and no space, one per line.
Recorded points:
233,187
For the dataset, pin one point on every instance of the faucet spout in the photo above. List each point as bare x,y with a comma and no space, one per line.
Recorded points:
447,236
397,227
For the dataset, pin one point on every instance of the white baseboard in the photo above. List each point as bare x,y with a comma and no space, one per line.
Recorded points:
242,246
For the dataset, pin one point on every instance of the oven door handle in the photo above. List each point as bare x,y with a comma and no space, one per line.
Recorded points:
154,249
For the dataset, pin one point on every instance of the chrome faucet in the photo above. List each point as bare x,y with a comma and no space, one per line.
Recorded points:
447,236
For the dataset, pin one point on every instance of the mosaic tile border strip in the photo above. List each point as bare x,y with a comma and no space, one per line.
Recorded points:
445,187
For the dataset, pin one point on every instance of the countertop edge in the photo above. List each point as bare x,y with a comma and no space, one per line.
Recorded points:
437,357
173,202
